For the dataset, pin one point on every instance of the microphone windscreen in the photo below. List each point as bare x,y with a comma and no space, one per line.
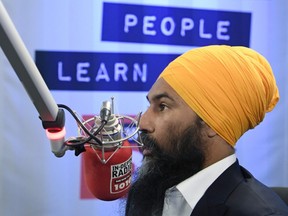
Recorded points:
111,180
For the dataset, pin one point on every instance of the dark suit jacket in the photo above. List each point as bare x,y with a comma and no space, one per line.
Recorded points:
237,193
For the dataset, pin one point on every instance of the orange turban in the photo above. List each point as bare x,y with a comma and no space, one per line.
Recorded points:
230,88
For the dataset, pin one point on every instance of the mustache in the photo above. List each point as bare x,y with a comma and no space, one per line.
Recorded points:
149,142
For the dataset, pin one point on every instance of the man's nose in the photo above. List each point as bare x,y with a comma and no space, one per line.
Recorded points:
147,122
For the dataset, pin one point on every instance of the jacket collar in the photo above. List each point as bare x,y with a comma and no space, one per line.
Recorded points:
213,201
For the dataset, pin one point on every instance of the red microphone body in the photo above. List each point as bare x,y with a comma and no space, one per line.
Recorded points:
111,180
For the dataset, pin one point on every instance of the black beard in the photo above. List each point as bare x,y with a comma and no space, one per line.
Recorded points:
163,170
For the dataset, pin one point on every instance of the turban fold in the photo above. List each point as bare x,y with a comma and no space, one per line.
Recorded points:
230,88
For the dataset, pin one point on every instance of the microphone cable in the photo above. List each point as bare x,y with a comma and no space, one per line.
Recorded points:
76,142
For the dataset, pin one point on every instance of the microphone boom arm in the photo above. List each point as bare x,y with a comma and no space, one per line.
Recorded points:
26,70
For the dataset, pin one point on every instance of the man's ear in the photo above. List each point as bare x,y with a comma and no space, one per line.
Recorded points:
208,130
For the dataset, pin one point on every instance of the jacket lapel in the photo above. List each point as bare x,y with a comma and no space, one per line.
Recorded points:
203,208
213,201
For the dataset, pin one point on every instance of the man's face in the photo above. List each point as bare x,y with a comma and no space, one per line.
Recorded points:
173,149
168,115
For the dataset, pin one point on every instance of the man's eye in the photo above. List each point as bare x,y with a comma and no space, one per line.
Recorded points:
162,107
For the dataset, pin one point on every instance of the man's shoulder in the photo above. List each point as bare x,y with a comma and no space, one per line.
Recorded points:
252,197
237,192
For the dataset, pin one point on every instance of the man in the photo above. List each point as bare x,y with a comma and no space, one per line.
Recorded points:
200,106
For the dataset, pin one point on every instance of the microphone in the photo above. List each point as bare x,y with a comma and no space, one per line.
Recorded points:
104,141
108,165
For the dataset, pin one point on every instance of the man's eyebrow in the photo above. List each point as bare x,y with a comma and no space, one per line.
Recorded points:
159,96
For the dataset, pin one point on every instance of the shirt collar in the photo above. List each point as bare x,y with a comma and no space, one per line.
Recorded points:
194,187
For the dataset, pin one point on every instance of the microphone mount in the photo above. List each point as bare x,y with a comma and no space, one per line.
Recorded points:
105,135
